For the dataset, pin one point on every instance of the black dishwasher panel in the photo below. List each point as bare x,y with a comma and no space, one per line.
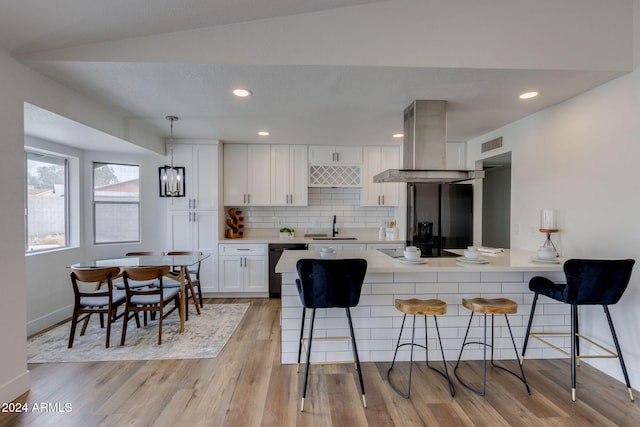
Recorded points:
275,252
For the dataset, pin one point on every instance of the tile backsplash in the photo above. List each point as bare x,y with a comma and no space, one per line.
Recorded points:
317,217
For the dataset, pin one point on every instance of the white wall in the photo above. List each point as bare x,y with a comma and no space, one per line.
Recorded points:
580,157
18,85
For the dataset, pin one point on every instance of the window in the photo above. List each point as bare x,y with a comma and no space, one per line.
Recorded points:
116,203
47,222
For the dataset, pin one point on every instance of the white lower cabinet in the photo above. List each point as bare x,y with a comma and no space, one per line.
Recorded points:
243,268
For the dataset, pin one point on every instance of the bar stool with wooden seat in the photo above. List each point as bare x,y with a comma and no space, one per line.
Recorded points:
420,307
489,306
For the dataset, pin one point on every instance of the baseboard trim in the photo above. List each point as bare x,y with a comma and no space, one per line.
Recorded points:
15,387
235,294
41,323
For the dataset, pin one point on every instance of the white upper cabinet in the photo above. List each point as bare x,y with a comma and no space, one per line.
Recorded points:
376,160
335,166
289,175
326,154
247,175
201,180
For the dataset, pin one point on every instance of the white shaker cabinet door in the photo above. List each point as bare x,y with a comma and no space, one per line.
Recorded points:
289,171
230,274
259,175
376,160
204,195
181,230
247,175
256,274
235,174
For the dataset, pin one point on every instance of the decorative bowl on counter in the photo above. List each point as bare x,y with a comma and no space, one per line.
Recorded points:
546,252
472,253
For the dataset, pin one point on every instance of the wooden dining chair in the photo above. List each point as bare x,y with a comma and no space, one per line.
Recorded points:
192,281
98,300
141,284
152,300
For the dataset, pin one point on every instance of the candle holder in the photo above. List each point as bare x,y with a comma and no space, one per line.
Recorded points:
548,226
548,242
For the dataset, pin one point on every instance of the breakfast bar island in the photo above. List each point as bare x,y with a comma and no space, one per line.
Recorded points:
377,322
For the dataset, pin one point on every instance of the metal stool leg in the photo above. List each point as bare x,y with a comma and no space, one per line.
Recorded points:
306,371
464,344
398,345
355,355
484,362
574,310
526,336
304,312
396,389
577,336
413,344
615,341
445,374
513,342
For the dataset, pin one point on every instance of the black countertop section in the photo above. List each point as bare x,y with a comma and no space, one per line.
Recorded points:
399,253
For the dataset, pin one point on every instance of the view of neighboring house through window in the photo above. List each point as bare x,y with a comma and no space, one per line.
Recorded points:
47,221
116,203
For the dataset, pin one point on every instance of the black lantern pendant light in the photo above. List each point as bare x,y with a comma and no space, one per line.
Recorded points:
171,177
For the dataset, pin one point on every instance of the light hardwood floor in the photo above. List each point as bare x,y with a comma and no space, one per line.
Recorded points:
247,386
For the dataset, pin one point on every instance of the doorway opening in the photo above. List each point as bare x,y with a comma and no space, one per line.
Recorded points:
496,201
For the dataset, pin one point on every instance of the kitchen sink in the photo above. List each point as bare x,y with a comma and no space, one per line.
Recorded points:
334,238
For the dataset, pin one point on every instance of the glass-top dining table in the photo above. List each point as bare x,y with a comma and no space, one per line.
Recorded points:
183,262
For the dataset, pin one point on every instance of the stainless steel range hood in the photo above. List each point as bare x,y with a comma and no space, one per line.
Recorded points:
425,148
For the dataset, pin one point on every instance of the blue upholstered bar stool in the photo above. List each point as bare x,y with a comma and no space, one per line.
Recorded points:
420,307
326,283
489,306
589,282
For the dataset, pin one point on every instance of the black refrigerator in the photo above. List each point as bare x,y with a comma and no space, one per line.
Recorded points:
439,216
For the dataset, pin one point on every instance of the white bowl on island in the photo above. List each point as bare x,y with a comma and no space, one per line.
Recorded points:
546,252
472,252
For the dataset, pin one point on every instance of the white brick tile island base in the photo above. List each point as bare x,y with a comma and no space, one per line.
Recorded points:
377,322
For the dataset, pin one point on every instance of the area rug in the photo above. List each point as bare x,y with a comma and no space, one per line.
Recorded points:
204,336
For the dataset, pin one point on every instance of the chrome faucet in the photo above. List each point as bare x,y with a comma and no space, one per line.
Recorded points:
334,230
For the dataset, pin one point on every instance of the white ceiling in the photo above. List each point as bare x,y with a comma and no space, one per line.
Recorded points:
322,71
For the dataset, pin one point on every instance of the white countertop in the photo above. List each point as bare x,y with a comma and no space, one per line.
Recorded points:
378,262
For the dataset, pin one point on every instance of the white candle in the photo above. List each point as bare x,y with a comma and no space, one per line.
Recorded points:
548,219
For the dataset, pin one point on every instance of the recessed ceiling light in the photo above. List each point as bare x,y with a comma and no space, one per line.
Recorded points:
528,95
398,135
242,93
263,133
